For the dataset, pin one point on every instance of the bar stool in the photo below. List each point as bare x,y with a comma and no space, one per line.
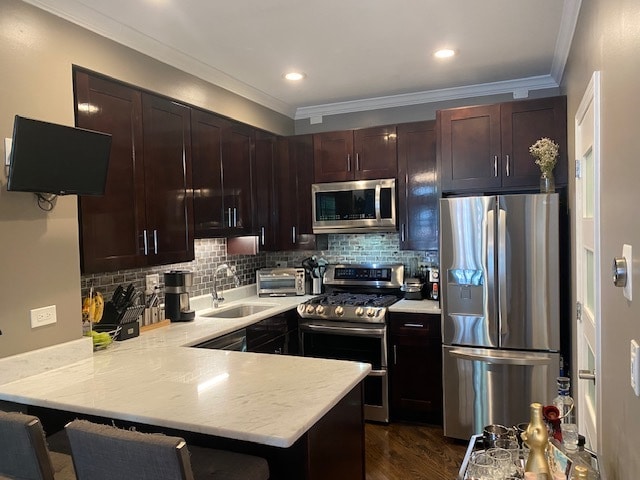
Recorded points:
104,452
24,453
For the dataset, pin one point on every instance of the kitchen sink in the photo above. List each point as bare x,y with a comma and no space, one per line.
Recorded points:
237,311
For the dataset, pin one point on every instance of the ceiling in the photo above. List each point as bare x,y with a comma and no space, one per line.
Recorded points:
357,54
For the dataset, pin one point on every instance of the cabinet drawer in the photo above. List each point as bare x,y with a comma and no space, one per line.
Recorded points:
423,325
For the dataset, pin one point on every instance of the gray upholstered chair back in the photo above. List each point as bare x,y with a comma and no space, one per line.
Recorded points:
103,452
23,449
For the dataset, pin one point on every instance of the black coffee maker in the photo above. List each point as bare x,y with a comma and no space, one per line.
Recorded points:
177,284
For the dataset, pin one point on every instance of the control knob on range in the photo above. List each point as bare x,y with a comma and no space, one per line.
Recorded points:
359,311
310,309
320,309
371,312
339,310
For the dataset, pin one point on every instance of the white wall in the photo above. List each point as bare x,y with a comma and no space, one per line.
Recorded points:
39,252
608,39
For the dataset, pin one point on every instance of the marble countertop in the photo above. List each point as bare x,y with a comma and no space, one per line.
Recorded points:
416,306
156,379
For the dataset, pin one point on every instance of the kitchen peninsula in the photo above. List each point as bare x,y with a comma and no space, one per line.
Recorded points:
287,409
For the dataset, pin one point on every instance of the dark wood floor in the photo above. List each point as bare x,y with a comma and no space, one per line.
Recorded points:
401,451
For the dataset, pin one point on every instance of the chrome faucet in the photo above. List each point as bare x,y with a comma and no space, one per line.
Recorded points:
231,271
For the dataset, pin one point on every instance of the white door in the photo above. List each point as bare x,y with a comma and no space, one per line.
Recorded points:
586,372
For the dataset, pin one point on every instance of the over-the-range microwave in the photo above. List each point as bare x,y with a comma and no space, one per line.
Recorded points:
355,206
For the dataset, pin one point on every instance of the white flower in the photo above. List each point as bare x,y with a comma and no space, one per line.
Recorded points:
545,151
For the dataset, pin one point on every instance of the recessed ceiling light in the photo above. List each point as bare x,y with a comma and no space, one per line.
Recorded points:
294,76
444,53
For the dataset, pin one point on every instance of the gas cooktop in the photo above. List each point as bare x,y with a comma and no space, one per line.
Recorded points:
356,293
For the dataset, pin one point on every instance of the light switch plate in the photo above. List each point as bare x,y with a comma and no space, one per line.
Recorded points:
152,281
635,367
627,253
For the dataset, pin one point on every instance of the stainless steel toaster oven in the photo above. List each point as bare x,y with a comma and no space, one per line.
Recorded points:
280,282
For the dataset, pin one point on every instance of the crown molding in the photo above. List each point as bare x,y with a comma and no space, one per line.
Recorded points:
516,87
107,27
568,22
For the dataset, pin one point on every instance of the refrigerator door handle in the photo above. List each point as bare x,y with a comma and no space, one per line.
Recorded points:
491,277
502,271
503,359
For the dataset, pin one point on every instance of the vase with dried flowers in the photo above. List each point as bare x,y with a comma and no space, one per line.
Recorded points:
545,152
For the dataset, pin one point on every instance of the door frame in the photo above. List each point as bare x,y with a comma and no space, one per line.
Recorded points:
590,101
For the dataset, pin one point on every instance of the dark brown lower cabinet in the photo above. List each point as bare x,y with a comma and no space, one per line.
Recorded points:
415,370
277,334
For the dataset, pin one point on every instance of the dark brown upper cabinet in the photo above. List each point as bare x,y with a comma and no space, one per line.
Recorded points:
293,180
418,192
265,214
145,217
366,154
222,170
486,147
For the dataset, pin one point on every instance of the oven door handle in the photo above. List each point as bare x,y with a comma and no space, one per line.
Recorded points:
361,332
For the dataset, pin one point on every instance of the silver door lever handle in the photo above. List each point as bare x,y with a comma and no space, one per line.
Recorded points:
587,375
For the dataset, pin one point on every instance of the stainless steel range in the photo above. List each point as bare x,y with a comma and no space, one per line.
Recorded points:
349,322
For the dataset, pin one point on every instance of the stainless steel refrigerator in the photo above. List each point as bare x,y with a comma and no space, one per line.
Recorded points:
499,275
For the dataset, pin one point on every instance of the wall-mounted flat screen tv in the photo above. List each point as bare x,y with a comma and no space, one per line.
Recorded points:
50,158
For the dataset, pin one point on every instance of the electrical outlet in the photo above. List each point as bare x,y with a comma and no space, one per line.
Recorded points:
152,281
281,264
43,316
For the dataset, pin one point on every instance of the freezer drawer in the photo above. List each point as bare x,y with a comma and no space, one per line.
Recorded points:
484,386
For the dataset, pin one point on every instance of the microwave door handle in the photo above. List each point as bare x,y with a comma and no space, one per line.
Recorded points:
377,203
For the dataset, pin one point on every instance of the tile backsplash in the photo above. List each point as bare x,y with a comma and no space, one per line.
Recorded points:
209,253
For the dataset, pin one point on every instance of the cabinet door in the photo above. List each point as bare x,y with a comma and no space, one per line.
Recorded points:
286,195
418,186
375,153
237,164
168,187
112,226
333,156
469,147
301,157
206,151
294,177
523,123
416,368
264,207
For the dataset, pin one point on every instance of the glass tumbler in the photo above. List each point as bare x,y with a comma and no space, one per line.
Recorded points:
482,467
503,460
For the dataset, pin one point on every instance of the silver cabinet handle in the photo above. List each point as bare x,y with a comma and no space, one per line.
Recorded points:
145,241
395,355
413,325
587,375
235,217
348,162
357,162
495,165
293,234
155,242
262,236
402,233
508,166
229,217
